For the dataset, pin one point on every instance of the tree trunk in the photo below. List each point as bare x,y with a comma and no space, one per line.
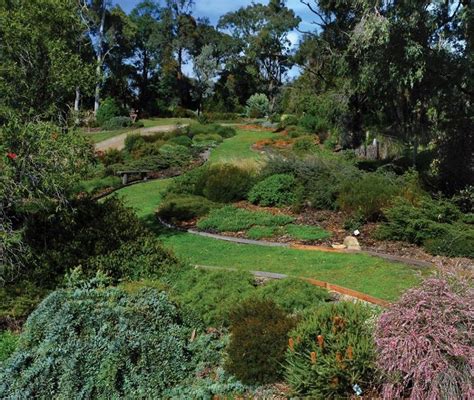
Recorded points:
100,59
77,102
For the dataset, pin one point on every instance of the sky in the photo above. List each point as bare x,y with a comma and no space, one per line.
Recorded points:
213,9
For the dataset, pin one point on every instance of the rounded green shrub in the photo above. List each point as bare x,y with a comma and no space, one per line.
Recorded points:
175,155
293,295
99,344
108,109
213,294
330,351
258,341
184,207
226,183
117,123
182,140
134,142
276,190
257,105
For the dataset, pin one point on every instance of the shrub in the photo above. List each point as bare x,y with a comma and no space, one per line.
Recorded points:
148,163
134,142
304,144
261,232
212,294
66,239
184,207
368,195
97,184
191,182
331,351
288,120
320,175
140,259
116,123
432,223
100,344
175,155
309,122
293,295
181,140
258,341
226,183
200,129
425,342
108,109
276,190
112,156
233,219
306,232
456,241
8,343
209,139
257,106
464,199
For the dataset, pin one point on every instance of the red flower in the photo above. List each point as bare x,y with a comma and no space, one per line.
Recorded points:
11,156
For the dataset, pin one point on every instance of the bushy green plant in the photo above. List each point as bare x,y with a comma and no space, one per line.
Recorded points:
261,232
257,105
134,142
201,129
276,190
182,140
293,295
67,238
368,195
331,351
191,182
306,232
175,155
258,341
436,224
111,156
310,123
117,123
212,294
233,219
226,183
103,343
8,343
108,109
304,144
320,175
207,139
184,207
142,258
95,185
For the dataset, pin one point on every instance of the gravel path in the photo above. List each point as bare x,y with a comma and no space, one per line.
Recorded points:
118,142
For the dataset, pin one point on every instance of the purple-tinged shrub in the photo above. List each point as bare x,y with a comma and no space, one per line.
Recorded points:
425,342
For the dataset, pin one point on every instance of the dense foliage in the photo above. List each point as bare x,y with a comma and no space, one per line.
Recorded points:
276,190
331,351
100,343
258,341
425,342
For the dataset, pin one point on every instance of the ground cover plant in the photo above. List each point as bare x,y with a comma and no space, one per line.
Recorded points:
331,352
424,341
100,343
8,343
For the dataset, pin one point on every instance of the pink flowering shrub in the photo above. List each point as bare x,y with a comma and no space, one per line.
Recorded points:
425,342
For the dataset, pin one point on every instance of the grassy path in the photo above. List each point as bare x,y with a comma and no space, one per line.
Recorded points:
367,274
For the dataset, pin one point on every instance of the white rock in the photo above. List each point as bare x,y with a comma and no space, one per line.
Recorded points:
351,243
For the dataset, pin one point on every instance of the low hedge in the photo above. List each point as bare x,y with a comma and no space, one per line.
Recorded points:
176,208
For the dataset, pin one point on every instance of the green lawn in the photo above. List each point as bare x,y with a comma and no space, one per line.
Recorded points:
370,275
238,148
97,137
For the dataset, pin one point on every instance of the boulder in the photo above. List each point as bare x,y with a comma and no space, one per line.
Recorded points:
351,243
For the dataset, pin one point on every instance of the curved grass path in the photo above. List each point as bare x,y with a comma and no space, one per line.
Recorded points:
371,275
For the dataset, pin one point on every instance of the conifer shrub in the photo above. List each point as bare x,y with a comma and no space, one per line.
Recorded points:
233,219
8,343
117,123
176,208
213,294
181,140
425,342
259,330
191,182
330,351
142,258
226,183
108,109
276,190
103,343
134,142
257,105
293,295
